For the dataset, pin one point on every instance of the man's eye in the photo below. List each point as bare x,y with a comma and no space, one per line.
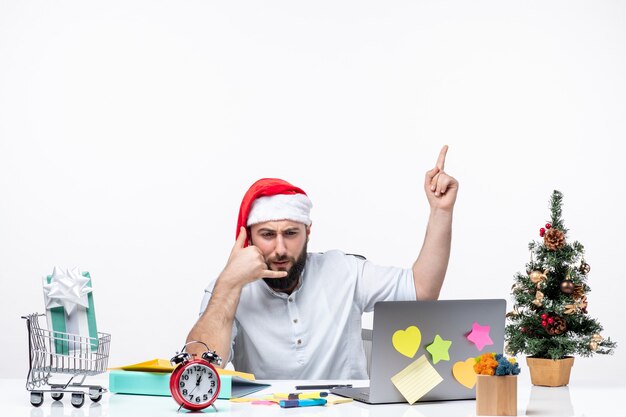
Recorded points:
267,235
291,233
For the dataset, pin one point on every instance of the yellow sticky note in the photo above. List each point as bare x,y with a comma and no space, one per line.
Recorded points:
407,341
416,380
336,399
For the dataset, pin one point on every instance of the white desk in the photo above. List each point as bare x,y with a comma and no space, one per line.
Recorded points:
585,401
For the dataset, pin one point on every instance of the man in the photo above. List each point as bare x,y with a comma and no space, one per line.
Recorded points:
282,313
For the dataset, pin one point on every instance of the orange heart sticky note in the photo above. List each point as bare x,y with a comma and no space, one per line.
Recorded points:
464,373
407,341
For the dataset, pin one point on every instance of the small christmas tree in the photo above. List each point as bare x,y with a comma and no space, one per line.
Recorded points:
550,318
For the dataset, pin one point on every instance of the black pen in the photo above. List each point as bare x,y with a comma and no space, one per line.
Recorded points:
322,386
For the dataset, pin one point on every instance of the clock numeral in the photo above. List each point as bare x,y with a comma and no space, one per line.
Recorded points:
189,370
185,377
184,392
212,383
198,368
191,397
181,384
210,374
205,397
198,399
210,391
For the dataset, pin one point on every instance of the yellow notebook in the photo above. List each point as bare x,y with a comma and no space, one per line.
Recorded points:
163,365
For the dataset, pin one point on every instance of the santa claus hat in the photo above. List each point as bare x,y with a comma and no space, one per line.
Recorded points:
271,199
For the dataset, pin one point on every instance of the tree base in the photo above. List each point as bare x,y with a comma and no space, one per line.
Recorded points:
550,372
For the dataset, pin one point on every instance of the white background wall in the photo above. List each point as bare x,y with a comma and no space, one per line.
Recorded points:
129,131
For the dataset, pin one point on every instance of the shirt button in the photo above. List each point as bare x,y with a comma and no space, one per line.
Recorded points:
299,341
295,320
290,300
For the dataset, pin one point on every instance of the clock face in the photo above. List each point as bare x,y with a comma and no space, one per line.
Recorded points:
198,384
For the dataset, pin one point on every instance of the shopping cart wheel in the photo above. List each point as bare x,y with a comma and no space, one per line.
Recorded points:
57,396
95,393
36,398
78,399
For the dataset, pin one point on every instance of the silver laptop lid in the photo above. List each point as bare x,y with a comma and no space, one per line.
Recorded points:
452,320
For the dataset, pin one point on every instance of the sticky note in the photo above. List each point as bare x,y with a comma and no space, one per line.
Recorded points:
416,380
336,399
439,349
464,373
407,341
480,336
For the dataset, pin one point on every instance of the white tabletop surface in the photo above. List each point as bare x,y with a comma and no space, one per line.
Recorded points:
536,401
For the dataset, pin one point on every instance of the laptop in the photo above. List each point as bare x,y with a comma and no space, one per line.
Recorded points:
452,320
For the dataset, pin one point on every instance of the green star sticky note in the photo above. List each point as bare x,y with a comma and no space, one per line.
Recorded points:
439,349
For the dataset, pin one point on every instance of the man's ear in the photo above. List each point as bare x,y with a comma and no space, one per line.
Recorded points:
308,231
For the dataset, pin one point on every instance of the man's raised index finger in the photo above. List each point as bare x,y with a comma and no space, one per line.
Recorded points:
442,157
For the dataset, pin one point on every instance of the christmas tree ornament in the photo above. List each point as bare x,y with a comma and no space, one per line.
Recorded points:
584,267
514,312
538,278
544,316
542,232
548,226
578,306
557,326
554,239
567,286
538,298
595,339
579,292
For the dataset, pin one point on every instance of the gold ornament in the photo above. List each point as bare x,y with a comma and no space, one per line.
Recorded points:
538,278
554,239
584,267
567,286
578,292
595,340
513,313
578,305
538,298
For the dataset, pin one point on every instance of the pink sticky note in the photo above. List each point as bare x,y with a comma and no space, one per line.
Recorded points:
480,336
262,402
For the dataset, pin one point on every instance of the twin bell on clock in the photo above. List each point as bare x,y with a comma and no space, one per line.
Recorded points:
195,383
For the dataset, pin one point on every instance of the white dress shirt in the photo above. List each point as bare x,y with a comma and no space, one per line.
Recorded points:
314,333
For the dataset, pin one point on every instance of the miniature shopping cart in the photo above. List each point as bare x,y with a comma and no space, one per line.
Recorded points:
52,352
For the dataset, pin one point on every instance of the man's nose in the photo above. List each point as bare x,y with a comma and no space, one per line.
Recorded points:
280,248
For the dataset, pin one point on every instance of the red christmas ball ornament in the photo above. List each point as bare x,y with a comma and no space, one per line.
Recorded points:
550,320
542,232
523,329
548,225
544,323
544,316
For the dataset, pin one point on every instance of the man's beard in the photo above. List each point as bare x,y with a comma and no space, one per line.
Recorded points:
280,284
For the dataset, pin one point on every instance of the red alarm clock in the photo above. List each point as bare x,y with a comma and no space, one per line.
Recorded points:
195,383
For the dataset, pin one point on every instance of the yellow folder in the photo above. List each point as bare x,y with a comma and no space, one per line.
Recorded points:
163,365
